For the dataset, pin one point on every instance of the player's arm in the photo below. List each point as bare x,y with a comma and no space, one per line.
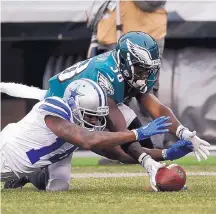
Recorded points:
58,118
116,122
117,153
22,91
156,109
115,119
176,151
58,121
57,115
81,137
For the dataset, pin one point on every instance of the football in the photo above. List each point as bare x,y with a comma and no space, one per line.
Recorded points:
171,178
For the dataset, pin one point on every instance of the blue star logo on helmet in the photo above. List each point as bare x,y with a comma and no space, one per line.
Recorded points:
73,94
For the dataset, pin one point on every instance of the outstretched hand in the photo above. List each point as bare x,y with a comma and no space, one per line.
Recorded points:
200,147
152,168
178,150
157,126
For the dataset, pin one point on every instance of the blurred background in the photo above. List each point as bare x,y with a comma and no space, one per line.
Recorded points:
41,38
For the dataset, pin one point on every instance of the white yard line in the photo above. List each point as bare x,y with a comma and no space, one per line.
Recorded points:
121,175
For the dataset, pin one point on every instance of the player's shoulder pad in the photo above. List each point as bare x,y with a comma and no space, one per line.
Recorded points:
57,107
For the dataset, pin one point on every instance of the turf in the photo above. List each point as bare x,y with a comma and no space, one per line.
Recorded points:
110,195
116,195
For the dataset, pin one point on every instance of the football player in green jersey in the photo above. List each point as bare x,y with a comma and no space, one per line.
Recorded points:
130,70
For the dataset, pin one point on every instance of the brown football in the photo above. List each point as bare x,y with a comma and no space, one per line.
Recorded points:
171,178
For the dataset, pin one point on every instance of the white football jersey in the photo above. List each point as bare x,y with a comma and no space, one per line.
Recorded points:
30,144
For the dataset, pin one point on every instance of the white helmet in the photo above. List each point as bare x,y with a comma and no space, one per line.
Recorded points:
85,97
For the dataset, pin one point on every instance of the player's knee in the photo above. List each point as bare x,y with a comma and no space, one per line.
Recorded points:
57,185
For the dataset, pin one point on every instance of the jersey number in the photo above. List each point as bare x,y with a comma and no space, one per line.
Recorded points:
34,155
119,76
73,70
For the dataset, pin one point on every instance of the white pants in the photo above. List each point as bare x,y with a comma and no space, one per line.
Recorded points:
6,172
59,175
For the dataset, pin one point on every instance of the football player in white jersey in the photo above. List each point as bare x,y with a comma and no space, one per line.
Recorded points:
56,127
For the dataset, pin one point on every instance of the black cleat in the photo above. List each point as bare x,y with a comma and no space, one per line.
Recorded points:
16,183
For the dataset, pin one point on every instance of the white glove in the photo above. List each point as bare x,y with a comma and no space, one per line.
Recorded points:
151,167
200,146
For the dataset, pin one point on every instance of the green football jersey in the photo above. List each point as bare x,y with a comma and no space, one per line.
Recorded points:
101,69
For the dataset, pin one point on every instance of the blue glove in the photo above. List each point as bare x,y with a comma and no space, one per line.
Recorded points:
178,150
157,126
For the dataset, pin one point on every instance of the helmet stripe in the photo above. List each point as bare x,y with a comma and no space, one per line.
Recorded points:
102,92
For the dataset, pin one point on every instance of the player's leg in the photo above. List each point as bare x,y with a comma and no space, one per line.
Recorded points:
7,175
7,159
59,175
55,177
39,179
15,182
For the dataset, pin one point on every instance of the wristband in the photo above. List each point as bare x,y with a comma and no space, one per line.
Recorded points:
135,132
180,130
164,156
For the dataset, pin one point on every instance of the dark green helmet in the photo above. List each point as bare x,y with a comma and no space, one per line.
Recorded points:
138,59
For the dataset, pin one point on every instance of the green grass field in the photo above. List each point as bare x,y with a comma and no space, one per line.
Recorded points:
117,195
